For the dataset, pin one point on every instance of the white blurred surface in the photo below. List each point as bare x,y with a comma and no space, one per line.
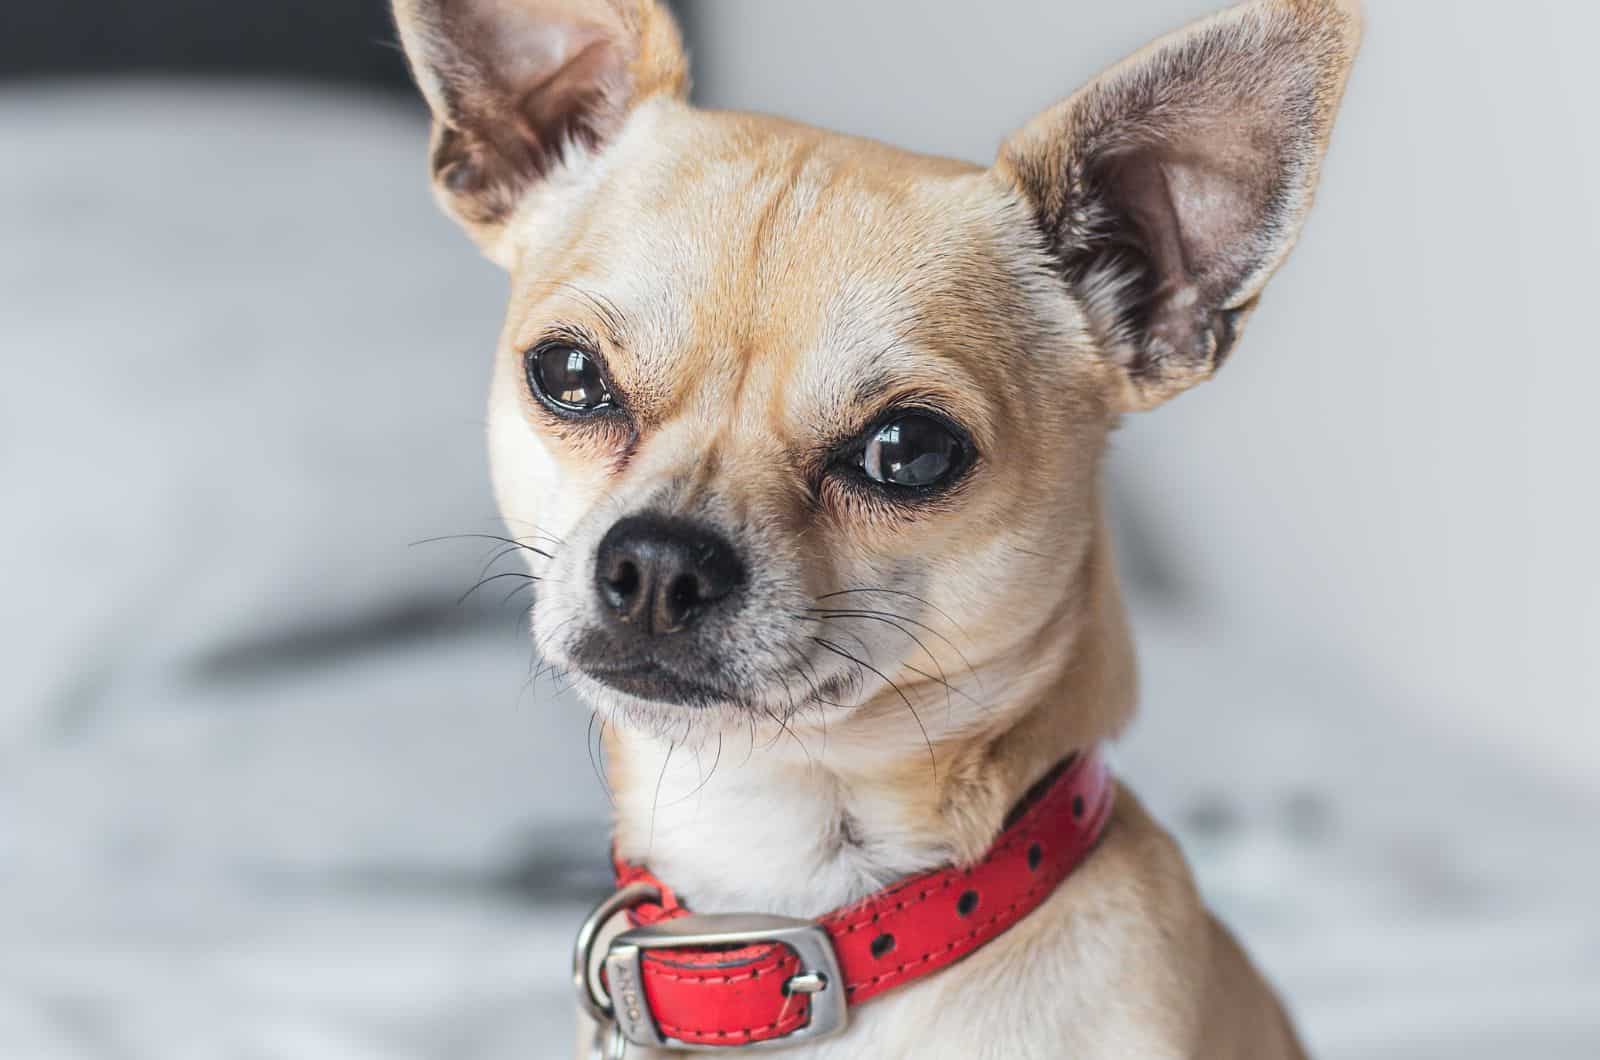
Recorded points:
265,790
245,368
1398,462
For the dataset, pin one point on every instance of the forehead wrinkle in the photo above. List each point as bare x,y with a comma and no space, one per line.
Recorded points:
594,312
714,287
759,254
760,307
582,261
832,395
704,470
947,386
914,374
886,340
664,276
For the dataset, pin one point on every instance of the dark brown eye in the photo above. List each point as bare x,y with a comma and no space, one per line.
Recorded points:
914,450
568,378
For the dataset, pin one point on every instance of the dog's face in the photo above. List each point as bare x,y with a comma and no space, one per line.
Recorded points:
797,422
785,400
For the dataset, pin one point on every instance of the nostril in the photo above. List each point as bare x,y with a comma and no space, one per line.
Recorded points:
623,581
684,592
679,602
718,572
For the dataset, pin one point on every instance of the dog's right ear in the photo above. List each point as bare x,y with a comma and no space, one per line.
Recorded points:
1170,188
520,87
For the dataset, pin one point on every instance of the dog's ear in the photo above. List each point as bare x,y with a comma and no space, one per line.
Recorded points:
519,87
1171,187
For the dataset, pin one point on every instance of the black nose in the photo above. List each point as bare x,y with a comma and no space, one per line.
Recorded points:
659,575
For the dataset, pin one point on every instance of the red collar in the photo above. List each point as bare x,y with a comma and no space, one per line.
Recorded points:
683,979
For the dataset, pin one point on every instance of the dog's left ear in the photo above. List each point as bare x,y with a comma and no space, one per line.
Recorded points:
519,87
1172,187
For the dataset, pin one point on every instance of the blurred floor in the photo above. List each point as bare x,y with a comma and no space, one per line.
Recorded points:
267,791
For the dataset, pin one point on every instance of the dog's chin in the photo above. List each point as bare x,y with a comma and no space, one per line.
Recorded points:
665,706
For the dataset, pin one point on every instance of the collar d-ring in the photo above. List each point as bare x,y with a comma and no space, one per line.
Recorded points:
592,993
609,1042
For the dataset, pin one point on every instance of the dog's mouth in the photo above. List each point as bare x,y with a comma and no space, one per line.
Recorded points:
659,684
682,675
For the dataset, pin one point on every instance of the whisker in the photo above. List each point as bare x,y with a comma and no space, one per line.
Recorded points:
506,599
750,719
788,692
496,558
783,729
932,758
893,621
600,744
705,779
483,537
602,305
536,530
809,678
494,578
655,803
815,696
592,746
924,601
896,616
794,710
546,666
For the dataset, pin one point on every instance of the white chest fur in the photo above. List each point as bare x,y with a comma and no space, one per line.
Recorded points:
767,828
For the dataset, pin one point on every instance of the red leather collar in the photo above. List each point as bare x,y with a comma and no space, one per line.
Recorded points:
734,997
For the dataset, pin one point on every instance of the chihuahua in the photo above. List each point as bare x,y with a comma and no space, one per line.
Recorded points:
802,436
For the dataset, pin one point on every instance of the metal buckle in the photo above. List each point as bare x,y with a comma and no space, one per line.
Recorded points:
818,976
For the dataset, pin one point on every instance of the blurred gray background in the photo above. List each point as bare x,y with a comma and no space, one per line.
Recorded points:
267,790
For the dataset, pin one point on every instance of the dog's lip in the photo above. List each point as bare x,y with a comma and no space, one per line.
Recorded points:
651,680
641,668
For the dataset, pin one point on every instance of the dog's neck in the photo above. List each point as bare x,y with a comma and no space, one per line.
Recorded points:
798,822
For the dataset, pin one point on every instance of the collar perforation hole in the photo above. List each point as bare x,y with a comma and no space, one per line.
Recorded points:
1077,806
882,946
1035,855
966,903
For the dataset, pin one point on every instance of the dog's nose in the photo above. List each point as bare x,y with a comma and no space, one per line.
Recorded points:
659,575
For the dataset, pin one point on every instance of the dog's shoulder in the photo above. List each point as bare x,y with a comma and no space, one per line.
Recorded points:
1123,960
1130,932
1170,976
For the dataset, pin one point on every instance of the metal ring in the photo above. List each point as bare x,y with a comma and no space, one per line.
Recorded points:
608,1044
585,974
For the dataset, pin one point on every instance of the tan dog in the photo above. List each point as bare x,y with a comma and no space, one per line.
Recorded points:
804,436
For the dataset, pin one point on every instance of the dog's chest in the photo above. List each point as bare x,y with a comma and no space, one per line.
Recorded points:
790,843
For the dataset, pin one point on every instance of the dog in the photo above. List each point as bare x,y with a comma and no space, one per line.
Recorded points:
801,436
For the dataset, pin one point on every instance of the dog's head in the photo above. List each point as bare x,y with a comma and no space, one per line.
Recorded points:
798,422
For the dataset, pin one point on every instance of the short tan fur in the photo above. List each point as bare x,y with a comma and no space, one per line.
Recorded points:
878,671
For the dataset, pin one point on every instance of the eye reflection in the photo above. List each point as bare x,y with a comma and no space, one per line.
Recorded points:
914,451
568,378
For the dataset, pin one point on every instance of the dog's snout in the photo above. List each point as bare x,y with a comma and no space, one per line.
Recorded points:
660,575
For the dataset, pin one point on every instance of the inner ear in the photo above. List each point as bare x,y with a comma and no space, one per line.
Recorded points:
517,86
497,142
1183,226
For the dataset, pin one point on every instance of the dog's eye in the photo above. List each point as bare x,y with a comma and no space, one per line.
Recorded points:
914,450
568,378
